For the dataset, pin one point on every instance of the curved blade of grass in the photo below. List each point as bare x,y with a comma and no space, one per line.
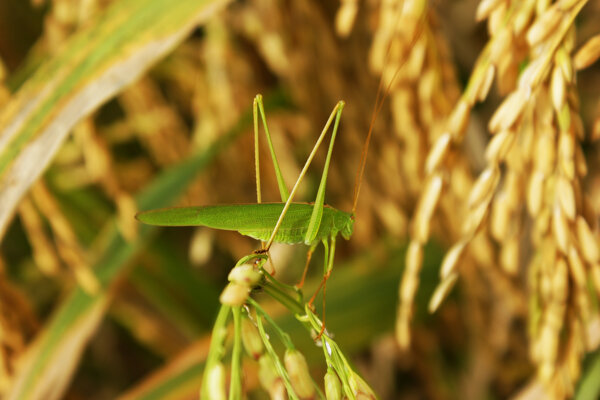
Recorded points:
49,363
93,66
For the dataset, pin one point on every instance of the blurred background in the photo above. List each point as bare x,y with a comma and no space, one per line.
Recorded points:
95,306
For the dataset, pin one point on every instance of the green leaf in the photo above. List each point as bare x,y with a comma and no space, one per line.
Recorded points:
94,65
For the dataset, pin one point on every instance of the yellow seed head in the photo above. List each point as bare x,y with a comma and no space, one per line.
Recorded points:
441,291
563,60
251,339
484,186
333,386
509,111
566,197
427,205
587,241
485,8
361,389
509,256
451,259
501,44
245,274
267,374
544,25
459,118
499,146
216,382
576,267
485,85
560,228
588,53
344,19
558,88
438,153
296,366
500,217
234,294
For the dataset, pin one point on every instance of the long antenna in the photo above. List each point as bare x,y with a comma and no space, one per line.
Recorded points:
379,101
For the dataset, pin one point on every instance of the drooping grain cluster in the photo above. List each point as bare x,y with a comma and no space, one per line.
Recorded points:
534,163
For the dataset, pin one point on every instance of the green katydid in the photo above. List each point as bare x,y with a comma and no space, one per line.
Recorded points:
285,222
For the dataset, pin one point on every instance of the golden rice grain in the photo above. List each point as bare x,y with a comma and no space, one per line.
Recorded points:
580,164
588,242
486,84
402,332
410,279
508,73
549,343
497,18
566,5
499,146
588,53
560,288
563,117
541,224
533,74
345,17
509,111
576,267
459,118
576,122
523,16
408,288
475,218
545,150
509,256
414,256
437,153
451,259
544,25
482,250
560,229
501,43
201,245
557,88
563,60
484,186
428,203
441,291
566,153
485,8
566,197
500,217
